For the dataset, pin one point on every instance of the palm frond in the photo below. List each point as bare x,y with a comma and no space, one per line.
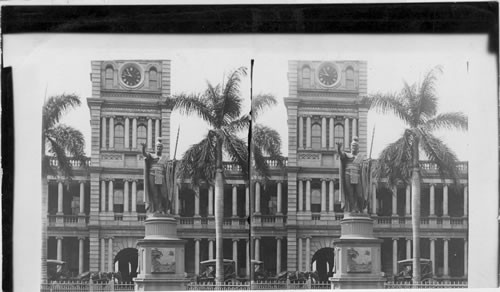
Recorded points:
59,153
56,106
440,154
451,120
195,104
237,149
395,161
240,124
391,104
198,162
260,167
427,99
229,106
267,139
262,102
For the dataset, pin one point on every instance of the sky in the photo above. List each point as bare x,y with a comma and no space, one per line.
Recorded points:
51,64
57,64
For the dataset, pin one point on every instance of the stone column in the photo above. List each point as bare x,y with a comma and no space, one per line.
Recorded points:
354,127
127,131
103,254
308,132
466,200
60,194
257,248
82,197
248,257
299,254
257,198
395,256
157,128
331,142
134,133
433,253
110,255
323,196
126,207
134,196
111,132
308,195
408,248
432,199
80,254
346,134
210,248
196,201
445,200
394,201
408,200
323,132
210,201
374,199
110,198
235,201
308,254
59,248
235,254
197,256
150,133
466,257
331,196
445,257
278,255
247,201
279,199
301,132
301,195
103,195
103,132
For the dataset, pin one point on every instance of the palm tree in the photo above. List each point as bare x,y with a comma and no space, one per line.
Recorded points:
61,142
220,106
416,106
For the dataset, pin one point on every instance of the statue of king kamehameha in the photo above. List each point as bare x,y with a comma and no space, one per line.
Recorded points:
159,181
355,178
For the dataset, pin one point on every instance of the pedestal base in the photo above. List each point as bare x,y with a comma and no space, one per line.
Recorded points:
357,255
161,256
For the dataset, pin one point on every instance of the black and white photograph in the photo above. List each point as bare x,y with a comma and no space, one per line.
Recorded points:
254,162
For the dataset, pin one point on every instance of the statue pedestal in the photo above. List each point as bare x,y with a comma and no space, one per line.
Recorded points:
357,255
161,256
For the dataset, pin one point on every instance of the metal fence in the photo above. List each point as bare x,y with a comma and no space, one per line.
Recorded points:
259,285
85,287
426,285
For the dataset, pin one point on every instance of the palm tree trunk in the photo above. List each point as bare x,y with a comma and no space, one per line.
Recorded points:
219,215
415,211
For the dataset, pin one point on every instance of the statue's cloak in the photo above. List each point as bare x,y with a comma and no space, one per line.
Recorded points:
159,201
362,178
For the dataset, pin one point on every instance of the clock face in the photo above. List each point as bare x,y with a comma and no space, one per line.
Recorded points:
131,75
328,75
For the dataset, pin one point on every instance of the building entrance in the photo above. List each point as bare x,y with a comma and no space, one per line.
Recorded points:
322,262
127,260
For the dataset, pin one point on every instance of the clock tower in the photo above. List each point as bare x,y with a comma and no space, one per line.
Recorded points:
324,107
127,109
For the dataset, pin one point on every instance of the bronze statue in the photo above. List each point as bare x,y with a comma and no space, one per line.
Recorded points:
159,180
355,178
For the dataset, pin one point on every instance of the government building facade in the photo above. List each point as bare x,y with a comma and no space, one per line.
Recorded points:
95,223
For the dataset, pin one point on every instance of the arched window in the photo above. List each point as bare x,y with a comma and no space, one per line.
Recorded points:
153,78
339,134
306,77
142,135
316,136
109,77
349,78
118,201
119,136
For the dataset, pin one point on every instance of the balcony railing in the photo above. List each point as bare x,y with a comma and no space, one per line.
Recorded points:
209,223
427,222
75,163
431,166
68,220
268,220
